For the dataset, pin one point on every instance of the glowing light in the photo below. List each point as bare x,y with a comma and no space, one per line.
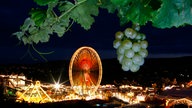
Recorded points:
140,98
57,86
85,64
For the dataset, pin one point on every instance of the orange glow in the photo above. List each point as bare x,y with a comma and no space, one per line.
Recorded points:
88,80
85,64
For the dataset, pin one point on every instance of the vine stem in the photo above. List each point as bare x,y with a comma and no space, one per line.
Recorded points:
69,26
28,52
54,14
78,3
41,53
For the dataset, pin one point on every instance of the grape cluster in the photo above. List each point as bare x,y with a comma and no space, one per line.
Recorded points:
131,47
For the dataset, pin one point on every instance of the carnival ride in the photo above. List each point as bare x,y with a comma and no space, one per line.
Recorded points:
85,71
34,93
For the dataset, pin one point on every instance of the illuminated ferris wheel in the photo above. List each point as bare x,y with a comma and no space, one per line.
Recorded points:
85,71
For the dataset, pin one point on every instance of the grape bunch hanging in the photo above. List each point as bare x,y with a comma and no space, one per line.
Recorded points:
131,47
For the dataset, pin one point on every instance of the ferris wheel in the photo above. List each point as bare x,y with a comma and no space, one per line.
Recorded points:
85,71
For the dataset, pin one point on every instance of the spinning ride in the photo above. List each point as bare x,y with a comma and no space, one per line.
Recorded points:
85,71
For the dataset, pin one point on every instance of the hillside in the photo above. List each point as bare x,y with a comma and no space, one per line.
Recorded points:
152,70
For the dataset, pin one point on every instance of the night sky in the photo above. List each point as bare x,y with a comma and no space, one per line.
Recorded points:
163,43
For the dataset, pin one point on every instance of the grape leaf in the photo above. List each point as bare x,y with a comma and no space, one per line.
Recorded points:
122,15
83,13
38,15
137,11
44,2
121,2
64,21
65,6
107,4
49,21
26,40
59,29
35,38
33,30
19,34
27,23
173,13
44,34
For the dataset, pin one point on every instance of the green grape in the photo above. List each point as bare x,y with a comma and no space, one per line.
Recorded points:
138,37
134,67
127,61
128,32
127,44
137,59
120,57
143,52
134,34
125,68
116,43
119,35
144,44
120,49
141,62
136,47
129,53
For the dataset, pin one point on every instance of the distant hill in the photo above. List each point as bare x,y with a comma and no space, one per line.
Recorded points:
152,68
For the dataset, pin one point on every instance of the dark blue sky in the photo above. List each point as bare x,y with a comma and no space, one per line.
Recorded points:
175,42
